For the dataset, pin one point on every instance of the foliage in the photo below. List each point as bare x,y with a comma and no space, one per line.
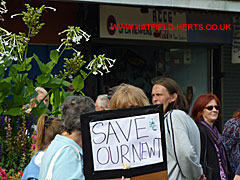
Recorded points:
11,175
17,89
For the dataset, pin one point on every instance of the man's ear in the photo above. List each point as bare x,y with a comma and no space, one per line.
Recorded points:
174,97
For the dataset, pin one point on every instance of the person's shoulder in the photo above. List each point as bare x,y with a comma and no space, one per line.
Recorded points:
182,117
69,154
179,112
233,121
202,128
231,127
38,158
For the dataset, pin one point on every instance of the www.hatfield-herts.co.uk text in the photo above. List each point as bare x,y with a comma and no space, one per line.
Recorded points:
169,27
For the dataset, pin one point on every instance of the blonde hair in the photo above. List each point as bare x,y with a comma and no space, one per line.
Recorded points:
41,90
127,96
47,129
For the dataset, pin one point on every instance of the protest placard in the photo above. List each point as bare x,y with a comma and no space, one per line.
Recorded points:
133,137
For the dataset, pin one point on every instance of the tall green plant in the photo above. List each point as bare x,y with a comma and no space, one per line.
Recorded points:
17,90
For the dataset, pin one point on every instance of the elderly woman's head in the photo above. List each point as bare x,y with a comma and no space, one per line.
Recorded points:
102,102
42,95
127,96
72,109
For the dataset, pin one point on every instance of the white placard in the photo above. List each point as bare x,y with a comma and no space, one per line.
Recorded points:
135,141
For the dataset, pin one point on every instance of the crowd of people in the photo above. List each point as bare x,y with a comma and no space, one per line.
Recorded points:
195,148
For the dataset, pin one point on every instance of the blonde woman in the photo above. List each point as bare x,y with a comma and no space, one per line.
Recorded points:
127,96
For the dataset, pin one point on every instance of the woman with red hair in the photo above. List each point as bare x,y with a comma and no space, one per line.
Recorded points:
231,140
205,112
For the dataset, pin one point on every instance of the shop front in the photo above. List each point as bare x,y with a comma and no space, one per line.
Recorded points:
150,42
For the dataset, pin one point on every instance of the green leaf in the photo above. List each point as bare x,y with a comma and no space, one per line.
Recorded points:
7,80
5,86
28,67
1,109
39,111
44,69
53,83
57,99
13,74
50,65
66,83
2,97
51,98
43,78
18,67
30,91
54,56
64,94
29,82
18,100
78,83
16,111
2,71
8,63
28,60
84,75
30,88
40,64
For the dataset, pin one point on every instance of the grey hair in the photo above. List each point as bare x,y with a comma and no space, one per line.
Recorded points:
103,101
72,109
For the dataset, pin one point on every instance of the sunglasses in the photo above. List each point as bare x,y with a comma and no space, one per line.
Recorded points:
211,108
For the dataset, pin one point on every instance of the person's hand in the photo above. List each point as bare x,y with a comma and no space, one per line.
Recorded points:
123,178
236,177
203,177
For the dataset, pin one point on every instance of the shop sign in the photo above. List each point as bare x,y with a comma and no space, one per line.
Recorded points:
236,40
209,28
134,23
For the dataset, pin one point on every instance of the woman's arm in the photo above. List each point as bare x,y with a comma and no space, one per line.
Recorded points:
228,136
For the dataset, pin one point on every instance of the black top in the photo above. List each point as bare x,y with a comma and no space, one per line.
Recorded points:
208,145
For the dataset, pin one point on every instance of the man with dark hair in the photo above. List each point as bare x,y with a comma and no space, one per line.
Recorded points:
181,132
65,151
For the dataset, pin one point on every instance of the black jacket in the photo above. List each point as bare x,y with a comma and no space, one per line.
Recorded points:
211,154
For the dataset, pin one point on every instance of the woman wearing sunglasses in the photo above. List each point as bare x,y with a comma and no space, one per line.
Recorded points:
205,112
